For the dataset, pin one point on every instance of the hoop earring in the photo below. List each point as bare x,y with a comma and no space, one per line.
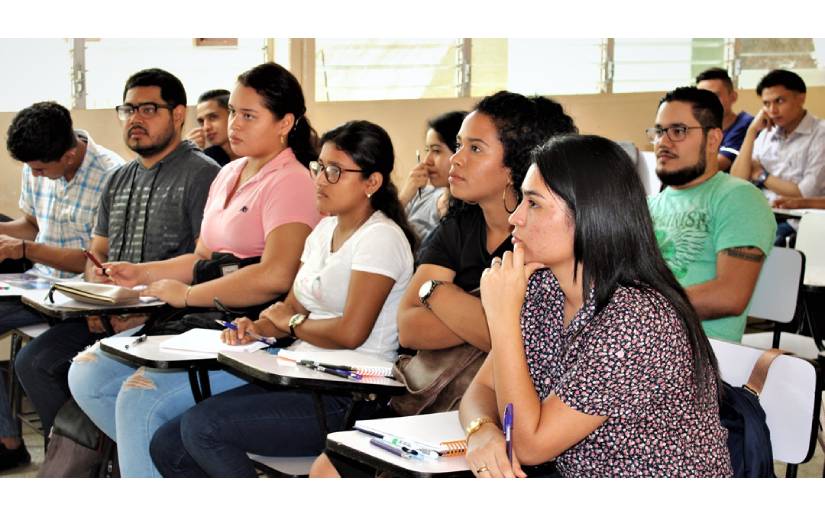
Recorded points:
504,201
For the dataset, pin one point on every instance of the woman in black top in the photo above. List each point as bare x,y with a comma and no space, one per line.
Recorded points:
440,309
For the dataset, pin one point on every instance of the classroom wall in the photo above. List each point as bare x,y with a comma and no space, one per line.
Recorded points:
617,116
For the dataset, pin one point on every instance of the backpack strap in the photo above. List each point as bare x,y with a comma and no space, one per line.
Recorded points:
756,382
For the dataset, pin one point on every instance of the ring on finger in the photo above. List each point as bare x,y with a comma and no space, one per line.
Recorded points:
482,469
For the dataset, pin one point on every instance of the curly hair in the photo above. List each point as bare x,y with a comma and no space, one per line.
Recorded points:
522,123
41,132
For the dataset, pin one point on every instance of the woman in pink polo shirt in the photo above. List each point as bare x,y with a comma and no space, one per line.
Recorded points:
260,210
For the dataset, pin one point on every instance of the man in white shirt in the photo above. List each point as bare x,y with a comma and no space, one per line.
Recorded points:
784,148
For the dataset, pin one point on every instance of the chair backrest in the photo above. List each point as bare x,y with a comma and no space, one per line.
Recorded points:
809,240
777,290
646,168
791,397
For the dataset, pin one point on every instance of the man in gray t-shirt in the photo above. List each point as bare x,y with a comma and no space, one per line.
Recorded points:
151,209
155,213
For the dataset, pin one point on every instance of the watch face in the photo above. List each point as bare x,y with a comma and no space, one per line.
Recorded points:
425,289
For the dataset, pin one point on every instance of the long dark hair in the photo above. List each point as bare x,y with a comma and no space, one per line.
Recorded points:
370,147
614,237
282,94
522,124
446,126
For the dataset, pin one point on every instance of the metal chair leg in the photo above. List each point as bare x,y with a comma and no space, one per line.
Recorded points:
15,390
791,470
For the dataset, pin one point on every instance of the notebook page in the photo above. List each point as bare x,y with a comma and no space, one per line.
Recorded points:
205,341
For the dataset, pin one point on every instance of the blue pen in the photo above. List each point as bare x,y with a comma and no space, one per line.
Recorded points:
330,370
232,326
508,430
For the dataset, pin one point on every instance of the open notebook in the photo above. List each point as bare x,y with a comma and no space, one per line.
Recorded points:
204,341
441,432
361,363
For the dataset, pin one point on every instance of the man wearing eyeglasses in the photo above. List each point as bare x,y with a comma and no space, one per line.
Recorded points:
714,230
151,209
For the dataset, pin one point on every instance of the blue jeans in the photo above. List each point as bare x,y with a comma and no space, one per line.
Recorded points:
130,403
212,438
43,366
12,315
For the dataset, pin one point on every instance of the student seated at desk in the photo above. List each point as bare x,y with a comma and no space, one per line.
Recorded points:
593,340
439,316
424,191
355,267
261,205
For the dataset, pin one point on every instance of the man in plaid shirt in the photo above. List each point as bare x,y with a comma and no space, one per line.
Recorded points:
64,174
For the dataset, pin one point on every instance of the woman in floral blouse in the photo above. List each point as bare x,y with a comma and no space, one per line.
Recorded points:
593,340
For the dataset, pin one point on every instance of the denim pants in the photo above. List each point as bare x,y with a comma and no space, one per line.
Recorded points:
212,438
130,403
42,366
12,315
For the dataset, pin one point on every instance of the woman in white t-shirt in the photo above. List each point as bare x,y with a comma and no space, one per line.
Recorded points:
355,267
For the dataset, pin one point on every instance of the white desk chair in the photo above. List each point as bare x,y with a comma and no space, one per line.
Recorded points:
791,398
775,299
809,240
646,168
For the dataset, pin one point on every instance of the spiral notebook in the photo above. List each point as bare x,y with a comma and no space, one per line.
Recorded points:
441,432
362,363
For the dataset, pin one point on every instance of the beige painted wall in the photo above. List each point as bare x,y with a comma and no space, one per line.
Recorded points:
618,116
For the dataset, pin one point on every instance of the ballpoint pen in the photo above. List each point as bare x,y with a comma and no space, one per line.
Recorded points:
405,444
508,430
334,372
232,326
95,261
355,375
135,342
417,161
393,449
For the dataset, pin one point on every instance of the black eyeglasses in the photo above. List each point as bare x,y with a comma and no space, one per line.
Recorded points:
676,133
331,172
146,109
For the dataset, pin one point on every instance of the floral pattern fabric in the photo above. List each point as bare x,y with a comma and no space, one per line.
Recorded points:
631,363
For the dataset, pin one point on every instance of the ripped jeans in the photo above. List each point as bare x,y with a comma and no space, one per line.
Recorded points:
129,404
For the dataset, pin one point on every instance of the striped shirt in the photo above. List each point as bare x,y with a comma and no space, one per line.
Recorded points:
66,210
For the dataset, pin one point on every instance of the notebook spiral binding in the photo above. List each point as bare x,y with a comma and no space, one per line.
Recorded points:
453,448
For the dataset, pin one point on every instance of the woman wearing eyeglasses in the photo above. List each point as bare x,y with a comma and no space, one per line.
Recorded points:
259,212
355,267
441,315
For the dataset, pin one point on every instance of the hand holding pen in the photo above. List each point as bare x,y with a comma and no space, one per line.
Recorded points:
100,274
508,431
242,326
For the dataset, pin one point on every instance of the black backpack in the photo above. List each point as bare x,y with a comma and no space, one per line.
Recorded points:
749,439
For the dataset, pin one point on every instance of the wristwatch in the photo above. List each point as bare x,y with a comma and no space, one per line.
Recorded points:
426,291
476,424
294,322
759,182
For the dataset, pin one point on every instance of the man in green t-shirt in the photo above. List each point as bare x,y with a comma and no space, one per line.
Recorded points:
714,230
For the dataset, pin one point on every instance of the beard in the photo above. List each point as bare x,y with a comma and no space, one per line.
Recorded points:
155,146
684,175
